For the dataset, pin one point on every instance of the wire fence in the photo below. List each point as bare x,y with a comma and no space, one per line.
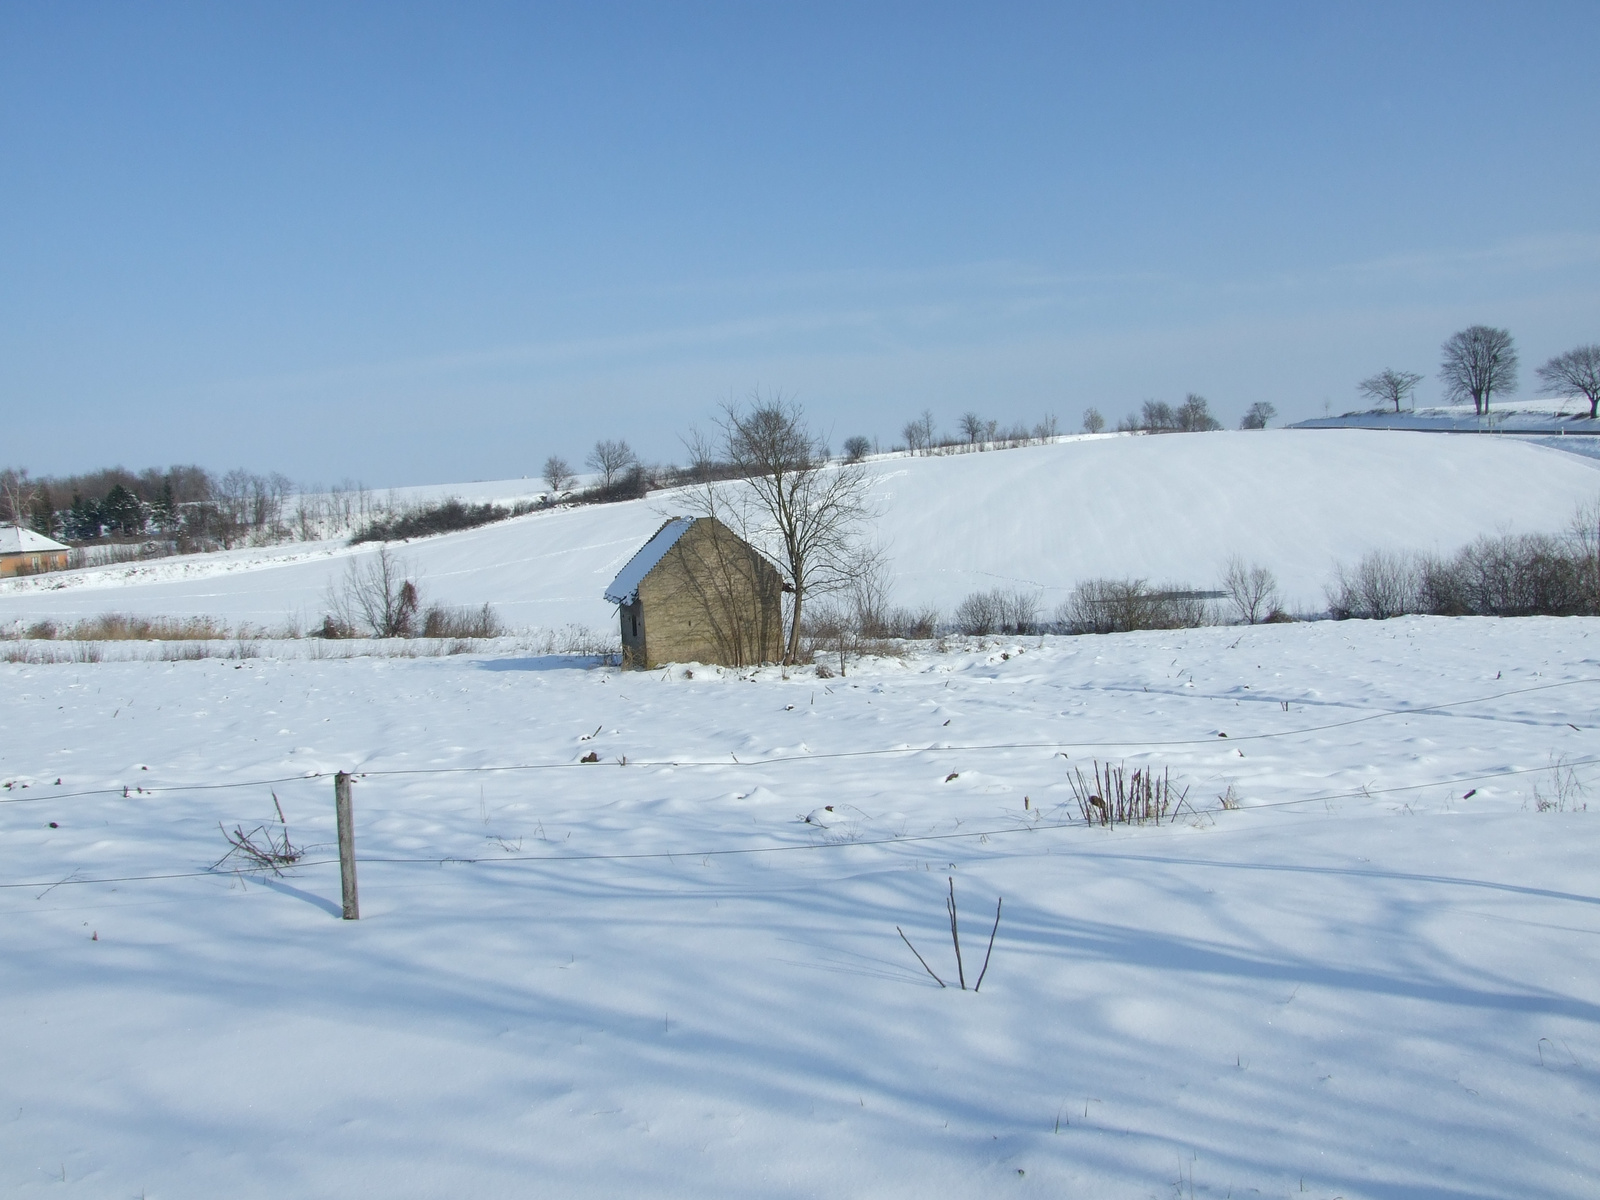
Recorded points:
133,791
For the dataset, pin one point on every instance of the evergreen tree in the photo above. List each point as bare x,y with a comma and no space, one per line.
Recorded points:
122,512
83,518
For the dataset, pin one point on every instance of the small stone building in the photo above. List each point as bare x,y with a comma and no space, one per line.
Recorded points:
697,592
24,552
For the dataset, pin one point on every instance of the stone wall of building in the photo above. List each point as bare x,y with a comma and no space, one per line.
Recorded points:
712,598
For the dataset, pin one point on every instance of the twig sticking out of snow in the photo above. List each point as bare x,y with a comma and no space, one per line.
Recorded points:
259,847
990,950
955,936
920,959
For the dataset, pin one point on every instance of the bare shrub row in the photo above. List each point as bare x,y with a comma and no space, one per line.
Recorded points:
448,516
1510,576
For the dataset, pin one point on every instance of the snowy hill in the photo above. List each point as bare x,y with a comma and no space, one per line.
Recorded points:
1562,423
1168,508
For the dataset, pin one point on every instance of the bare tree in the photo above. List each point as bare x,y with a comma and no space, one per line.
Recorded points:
610,458
856,448
1047,428
1093,422
1194,415
375,594
1156,416
1575,371
919,433
1253,590
1389,387
17,495
803,511
1257,416
972,427
1478,362
557,473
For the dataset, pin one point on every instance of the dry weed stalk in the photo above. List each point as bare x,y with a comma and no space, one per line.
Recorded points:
261,849
1115,796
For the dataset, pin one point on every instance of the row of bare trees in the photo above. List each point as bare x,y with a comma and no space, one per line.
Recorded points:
973,432
1480,362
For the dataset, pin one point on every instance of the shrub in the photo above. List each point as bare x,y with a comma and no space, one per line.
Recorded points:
1511,576
1383,584
912,624
856,448
1123,605
1253,591
999,611
375,595
120,627
447,517
443,621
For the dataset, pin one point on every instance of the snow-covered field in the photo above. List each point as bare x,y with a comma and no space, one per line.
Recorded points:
1378,978
1169,509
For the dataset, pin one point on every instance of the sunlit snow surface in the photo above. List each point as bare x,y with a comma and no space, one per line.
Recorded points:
1169,509
601,993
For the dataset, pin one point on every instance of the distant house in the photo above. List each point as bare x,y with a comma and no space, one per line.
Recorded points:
697,592
24,552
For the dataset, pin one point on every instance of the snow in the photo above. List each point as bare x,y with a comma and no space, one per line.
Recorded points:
1562,416
624,588
660,978
1172,508
16,540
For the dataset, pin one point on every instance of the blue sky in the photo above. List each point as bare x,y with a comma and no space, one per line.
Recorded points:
421,243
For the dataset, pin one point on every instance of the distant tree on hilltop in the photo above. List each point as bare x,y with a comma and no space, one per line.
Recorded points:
1194,415
610,459
1389,387
1479,362
1576,371
1257,416
557,473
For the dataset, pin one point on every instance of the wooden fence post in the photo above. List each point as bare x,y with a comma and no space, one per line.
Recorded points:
347,845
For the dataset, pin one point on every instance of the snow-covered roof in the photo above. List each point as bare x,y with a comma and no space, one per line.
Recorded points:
16,540
624,588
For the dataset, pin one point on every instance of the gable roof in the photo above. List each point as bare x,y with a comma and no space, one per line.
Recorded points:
624,588
16,540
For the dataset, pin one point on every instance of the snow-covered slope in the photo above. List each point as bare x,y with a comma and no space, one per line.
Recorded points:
1170,508
1376,980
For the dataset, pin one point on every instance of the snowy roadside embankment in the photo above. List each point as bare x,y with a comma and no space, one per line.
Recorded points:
660,978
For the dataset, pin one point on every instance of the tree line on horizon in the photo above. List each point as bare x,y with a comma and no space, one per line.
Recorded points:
197,509
1480,362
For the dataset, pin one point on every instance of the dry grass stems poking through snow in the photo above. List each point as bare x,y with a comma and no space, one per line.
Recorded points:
1562,791
118,627
1113,795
